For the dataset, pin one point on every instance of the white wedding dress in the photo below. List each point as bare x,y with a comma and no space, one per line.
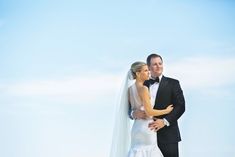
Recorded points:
143,140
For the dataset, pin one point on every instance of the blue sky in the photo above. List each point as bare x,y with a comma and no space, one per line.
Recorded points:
62,64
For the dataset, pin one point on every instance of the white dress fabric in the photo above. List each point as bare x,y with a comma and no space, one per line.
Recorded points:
143,140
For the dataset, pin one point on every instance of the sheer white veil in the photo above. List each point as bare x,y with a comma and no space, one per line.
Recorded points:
121,133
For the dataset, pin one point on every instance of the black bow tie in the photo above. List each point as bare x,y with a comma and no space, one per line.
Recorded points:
152,81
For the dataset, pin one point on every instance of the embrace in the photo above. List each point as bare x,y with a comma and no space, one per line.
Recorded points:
155,103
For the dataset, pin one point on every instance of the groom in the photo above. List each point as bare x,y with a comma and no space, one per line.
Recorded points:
164,91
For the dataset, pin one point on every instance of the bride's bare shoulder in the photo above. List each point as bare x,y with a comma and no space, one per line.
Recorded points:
143,89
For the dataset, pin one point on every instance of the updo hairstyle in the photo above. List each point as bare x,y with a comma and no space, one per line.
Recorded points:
136,67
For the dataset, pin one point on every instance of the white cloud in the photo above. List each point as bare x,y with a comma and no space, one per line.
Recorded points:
198,73
193,73
75,89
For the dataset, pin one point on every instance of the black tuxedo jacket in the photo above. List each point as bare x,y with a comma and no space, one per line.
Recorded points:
169,92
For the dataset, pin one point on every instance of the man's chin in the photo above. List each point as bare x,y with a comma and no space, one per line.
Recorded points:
157,74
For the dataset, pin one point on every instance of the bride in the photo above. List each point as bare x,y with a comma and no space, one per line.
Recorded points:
141,141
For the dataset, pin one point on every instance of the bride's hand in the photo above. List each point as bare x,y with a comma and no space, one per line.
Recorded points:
169,108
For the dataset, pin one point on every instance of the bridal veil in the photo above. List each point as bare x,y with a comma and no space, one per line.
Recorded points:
121,133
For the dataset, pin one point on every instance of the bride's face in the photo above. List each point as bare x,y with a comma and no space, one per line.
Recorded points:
144,73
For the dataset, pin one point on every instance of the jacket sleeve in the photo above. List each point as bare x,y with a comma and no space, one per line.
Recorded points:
178,102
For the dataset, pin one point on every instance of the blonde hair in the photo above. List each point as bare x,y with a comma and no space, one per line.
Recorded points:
136,67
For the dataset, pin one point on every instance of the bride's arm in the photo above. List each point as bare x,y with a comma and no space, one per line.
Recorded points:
145,97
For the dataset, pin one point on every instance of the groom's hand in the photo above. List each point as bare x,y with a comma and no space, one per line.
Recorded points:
157,124
139,114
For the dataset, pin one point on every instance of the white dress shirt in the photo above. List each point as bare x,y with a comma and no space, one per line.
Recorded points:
153,89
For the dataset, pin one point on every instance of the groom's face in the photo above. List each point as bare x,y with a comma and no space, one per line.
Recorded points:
156,66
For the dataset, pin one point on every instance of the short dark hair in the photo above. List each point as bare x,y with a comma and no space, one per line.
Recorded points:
153,55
